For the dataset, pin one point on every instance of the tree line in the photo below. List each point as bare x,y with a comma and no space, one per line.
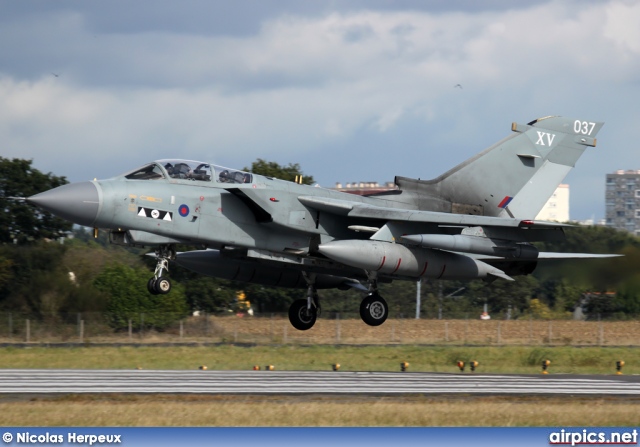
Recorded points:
49,269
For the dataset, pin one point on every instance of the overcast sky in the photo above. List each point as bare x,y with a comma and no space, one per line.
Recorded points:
351,90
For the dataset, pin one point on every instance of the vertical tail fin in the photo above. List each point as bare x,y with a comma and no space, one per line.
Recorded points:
514,177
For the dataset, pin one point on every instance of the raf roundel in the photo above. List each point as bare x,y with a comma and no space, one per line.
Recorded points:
183,210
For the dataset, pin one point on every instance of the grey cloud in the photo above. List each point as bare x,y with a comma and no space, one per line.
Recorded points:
369,83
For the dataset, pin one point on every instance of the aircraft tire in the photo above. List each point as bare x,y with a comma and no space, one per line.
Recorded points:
300,317
151,286
162,286
374,310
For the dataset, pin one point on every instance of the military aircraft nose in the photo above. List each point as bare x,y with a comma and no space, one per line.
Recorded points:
76,202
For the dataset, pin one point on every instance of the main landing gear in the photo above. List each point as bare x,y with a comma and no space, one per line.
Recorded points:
160,285
304,312
373,308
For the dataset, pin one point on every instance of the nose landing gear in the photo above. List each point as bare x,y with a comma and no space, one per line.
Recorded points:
161,285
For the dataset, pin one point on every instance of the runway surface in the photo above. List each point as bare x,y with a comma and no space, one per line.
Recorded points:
309,382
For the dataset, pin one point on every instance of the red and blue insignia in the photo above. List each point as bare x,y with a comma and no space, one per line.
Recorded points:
183,210
505,202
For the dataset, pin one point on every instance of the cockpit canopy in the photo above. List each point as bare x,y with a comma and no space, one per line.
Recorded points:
189,170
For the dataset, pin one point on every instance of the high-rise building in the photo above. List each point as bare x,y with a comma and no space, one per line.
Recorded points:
622,201
557,207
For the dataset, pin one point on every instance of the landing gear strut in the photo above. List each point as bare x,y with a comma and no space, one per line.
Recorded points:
373,308
303,312
160,285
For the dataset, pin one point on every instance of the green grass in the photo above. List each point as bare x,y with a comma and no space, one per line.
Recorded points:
508,359
212,410
225,411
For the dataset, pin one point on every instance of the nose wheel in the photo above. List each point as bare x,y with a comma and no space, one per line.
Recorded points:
161,285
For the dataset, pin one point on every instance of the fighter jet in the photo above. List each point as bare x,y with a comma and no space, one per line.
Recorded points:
474,221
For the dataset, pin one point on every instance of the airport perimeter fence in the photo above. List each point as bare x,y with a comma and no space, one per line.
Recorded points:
93,328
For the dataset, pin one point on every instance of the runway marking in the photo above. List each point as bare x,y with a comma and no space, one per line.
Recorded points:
308,382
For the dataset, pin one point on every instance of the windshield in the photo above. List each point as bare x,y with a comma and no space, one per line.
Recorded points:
148,172
187,169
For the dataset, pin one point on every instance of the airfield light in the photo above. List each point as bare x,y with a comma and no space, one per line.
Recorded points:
404,366
619,365
335,366
202,368
95,233
473,365
461,365
269,368
256,368
545,365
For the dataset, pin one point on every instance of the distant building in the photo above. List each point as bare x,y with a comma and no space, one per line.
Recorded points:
557,207
622,201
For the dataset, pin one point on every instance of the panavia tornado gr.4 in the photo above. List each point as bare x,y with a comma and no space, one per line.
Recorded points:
474,221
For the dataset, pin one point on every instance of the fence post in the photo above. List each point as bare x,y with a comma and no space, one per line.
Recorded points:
181,329
28,331
130,330
466,328
550,333
446,331
601,335
530,328
271,334
81,331
285,332
141,325
338,328
10,326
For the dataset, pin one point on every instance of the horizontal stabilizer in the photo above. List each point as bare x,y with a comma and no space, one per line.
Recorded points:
551,255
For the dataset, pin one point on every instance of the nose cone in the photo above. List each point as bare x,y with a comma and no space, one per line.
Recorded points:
76,202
